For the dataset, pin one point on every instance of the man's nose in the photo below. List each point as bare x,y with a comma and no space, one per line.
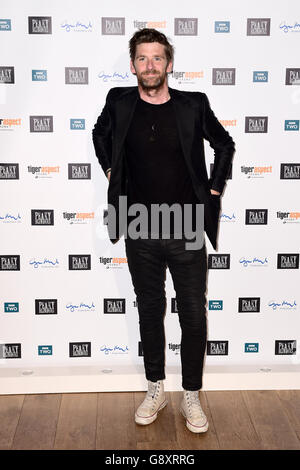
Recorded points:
150,64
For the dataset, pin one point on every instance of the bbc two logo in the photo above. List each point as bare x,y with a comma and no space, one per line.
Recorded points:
5,24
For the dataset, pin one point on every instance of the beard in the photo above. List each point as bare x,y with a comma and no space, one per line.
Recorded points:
151,83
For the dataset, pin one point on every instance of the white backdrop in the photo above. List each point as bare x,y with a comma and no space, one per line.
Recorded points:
80,36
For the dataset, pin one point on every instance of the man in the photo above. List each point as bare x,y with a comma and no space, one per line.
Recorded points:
149,142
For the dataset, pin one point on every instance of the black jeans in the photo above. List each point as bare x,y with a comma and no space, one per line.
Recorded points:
147,262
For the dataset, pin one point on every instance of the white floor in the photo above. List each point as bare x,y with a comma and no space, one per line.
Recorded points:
124,379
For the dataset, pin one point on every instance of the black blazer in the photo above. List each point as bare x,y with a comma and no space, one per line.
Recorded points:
195,120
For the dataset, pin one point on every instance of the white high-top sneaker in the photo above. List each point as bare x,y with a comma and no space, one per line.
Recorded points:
155,401
196,420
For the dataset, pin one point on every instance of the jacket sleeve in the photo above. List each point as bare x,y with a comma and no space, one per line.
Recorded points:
102,136
222,144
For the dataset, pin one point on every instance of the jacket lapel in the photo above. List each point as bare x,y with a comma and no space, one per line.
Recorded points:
125,107
185,117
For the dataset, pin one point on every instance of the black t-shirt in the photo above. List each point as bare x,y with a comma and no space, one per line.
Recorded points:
156,169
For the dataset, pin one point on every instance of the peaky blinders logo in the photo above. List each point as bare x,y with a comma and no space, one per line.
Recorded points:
219,261
292,76
79,262
39,25
9,171
185,26
217,348
290,171
249,304
285,347
41,123
9,262
46,306
76,75
288,261
113,26
42,217
79,171
256,217
7,74
114,305
256,124
258,26
80,349
10,351
223,76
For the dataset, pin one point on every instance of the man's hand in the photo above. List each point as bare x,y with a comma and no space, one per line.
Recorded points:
215,192
108,175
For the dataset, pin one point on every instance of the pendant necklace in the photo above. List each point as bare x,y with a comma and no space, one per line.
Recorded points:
152,136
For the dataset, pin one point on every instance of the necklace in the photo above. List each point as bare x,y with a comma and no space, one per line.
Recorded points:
150,122
151,118
152,136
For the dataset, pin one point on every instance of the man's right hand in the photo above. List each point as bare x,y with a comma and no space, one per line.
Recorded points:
108,175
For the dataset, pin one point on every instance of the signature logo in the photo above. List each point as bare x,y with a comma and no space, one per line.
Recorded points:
283,304
114,350
227,217
82,305
289,27
78,26
254,261
9,217
46,261
116,76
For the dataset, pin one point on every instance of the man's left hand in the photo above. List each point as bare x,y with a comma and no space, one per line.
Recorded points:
215,192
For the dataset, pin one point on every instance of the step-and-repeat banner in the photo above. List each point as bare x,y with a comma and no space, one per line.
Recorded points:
66,296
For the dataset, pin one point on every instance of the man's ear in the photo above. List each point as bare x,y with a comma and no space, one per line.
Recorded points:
132,69
169,67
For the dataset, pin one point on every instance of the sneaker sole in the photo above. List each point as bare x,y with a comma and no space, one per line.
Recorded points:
192,427
149,419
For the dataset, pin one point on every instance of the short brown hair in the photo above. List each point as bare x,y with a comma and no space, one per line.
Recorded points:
150,35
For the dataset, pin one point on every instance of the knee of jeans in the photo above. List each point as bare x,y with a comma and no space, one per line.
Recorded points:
192,306
151,306
193,322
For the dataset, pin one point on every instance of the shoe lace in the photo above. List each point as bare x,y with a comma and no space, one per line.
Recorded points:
193,402
153,391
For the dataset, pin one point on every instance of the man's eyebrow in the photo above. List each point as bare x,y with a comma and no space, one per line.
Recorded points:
143,55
